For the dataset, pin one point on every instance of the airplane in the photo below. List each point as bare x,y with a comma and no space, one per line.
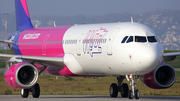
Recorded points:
125,50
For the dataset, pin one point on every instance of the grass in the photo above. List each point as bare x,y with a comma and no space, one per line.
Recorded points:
51,85
2,63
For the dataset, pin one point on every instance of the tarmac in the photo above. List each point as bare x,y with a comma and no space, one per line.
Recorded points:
85,98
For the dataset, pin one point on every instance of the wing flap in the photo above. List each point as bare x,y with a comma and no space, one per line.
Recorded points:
55,62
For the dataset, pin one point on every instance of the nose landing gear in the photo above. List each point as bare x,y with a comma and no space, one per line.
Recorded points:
134,92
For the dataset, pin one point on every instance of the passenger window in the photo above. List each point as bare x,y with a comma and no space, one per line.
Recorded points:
124,39
151,39
130,39
140,39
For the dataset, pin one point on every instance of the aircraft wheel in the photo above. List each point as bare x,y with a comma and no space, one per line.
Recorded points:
125,90
137,94
24,93
35,91
130,94
113,90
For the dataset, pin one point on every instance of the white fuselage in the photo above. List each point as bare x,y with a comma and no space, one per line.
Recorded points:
99,49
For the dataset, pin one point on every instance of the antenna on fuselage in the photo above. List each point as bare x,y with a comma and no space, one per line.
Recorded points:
54,24
131,19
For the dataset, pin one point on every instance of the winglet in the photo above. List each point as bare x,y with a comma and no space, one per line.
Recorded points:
22,15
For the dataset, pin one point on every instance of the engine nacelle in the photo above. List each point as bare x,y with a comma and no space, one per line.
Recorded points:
162,77
21,75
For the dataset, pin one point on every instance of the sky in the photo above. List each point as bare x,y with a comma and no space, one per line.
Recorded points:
90,7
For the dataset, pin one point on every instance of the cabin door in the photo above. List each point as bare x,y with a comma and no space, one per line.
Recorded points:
79,44
44,44
110,41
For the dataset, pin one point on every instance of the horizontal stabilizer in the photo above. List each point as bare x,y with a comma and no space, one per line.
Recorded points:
6,41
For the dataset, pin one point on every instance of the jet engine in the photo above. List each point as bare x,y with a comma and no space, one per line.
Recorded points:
162,77
21,75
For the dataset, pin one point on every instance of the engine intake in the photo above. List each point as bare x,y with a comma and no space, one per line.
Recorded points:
21,75
163,76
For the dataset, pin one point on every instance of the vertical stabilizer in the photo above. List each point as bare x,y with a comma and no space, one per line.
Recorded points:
22,15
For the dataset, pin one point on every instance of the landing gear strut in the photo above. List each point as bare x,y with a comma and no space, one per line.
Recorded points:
35,91
122,88
134,92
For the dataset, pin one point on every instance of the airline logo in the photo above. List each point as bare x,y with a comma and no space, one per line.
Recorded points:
32,36
93,40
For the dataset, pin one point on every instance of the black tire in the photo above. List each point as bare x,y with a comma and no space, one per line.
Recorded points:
113,90
35,91
24,93
137,94
130,95
125,90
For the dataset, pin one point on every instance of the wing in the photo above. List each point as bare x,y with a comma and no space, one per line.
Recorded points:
55,62
170,56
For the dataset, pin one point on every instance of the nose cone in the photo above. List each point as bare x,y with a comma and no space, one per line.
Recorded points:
149,57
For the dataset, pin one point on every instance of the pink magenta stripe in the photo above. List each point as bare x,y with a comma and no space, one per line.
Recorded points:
47,41
24,4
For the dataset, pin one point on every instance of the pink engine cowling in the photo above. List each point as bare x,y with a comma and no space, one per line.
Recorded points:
162,77
21,75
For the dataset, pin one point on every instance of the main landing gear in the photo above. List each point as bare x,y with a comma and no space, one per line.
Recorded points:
123,88
35,91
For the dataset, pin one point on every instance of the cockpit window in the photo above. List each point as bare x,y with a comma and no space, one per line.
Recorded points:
152,39
140,39
124,39
130,39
